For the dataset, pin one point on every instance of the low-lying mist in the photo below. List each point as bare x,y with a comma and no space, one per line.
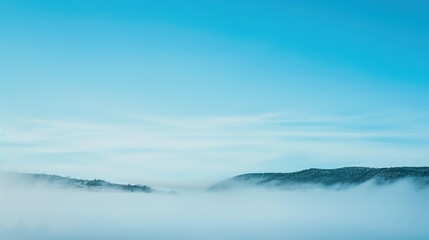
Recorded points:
397,211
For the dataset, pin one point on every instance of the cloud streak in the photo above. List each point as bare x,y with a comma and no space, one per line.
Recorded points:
186,147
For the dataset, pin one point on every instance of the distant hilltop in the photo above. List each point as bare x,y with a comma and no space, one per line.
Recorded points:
314,177
30,179
340,177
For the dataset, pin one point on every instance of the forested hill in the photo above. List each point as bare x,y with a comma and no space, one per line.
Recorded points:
30,179
341,177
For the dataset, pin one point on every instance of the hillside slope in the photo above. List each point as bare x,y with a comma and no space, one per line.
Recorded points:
341,177
30,179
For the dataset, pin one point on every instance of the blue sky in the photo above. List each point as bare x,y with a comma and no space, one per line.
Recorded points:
193,91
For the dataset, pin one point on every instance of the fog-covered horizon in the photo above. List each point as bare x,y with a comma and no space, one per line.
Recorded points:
181,95
395,211
343,177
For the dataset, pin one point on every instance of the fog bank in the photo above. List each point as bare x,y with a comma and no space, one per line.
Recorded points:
397,211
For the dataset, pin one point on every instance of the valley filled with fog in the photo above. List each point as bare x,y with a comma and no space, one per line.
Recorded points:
214,120
368,211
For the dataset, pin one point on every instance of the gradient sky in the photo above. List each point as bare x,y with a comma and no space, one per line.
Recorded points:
189,92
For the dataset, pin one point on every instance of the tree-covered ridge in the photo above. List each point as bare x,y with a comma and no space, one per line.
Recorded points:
329,177
67,182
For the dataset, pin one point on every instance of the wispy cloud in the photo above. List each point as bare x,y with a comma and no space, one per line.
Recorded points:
214,146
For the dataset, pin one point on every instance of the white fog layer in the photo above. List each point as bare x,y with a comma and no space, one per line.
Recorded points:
397,211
